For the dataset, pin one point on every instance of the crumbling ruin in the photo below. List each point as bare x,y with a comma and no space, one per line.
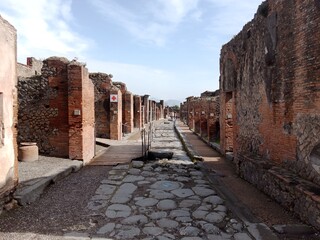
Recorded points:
270,103
56,110
202,114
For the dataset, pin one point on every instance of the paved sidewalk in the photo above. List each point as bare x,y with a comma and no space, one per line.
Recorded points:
35,177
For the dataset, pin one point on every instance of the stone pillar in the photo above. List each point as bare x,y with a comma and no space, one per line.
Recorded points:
115,113
80,113
137,112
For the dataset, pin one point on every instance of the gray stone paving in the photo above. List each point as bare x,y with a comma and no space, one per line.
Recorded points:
163,199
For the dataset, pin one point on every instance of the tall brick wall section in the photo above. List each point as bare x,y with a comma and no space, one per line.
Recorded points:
191,112
56,71
102,83
81,113
47,105
116,114
146,107
127,117
8,111
138,121
227,122
271,73
202,115
127,107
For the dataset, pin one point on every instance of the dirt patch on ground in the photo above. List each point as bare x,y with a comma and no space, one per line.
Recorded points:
62,207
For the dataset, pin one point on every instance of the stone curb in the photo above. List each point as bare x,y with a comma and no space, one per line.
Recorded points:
29,193
193,155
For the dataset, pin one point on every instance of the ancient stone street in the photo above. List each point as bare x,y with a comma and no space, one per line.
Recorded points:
162,199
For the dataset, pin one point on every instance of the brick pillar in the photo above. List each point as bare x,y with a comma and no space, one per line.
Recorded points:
137,112
146,108
227,121
154,110
115,113
128,112
80,113
56,70
161,109
190,112
150,110
102,82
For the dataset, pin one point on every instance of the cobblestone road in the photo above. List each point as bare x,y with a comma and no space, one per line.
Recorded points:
163,199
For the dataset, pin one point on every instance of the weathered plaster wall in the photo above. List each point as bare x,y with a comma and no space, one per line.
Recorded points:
8,110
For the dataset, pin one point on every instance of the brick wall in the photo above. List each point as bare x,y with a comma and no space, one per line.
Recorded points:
102,83
270,102
8,111
80,113
138,121
202,115
116,114
56,110
146,108
127,117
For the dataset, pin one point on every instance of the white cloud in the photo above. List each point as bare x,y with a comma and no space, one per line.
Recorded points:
43,28
226,19
154,22
158,83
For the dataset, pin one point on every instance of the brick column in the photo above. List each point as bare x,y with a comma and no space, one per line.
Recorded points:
80,113
128,112
115,113
137,112
146,108
161,109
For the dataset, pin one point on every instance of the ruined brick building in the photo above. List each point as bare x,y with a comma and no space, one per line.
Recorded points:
270,103
118,111
8,112
56,110
201,114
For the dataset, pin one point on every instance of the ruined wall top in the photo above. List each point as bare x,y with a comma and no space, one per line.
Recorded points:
122,86
33,67
210,93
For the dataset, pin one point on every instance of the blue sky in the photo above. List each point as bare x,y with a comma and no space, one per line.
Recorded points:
168,49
